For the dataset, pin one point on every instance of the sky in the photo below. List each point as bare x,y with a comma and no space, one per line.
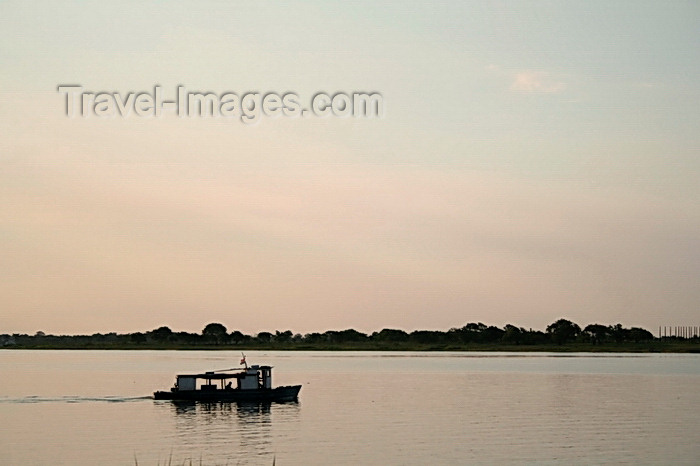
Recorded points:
535,160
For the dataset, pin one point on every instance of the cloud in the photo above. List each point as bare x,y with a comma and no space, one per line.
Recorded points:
536,82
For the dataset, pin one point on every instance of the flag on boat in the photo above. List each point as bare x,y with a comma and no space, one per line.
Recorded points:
243,360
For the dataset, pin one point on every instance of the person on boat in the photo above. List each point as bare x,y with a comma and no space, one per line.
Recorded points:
228,386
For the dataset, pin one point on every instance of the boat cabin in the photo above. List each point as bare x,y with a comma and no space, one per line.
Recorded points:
252,384
251,378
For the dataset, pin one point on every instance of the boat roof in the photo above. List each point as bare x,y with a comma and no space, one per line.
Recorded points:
221,375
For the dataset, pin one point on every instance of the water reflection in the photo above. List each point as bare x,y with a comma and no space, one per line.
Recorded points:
245,410
247,429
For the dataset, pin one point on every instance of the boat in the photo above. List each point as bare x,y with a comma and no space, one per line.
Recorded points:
252,384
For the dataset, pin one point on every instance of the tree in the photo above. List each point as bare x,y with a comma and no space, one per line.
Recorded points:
512,334
475,327
343,336
534,337
161,334
313,338
138,338
351,335
215,332
618,332
639,334
427,336
264,337
492,334
283,337
597,333
237,337
186,338
390,334
563,331
471,332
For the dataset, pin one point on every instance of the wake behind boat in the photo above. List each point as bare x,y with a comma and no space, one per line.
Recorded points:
252,383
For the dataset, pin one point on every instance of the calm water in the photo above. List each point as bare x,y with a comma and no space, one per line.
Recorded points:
93,407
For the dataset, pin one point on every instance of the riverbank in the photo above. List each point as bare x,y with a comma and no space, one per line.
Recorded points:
642,347
561,336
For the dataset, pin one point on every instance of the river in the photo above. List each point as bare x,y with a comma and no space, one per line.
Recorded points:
94,408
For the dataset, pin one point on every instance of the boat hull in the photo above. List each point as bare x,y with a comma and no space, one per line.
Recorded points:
285,393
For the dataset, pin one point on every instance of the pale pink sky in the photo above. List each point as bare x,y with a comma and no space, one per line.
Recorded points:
528,167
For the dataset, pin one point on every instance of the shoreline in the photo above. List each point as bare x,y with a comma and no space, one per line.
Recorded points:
646,347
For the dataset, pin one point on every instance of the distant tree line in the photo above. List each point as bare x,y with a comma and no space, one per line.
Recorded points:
562,333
